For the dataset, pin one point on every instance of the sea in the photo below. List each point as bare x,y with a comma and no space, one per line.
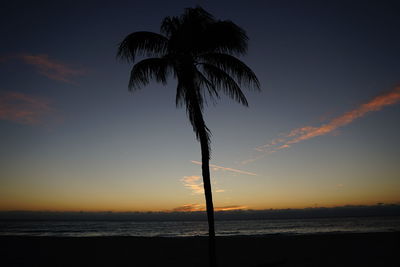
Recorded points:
200,228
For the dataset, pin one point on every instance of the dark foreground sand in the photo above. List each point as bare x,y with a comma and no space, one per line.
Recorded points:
372,249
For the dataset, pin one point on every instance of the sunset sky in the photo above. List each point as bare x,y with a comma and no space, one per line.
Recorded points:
323,131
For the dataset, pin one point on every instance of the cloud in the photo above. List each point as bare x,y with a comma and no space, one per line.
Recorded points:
307,132
232,207
23,108
216,167
50,68
201,207
193,183
189,207
244,162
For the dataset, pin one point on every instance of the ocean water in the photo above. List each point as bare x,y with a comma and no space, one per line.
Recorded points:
199,228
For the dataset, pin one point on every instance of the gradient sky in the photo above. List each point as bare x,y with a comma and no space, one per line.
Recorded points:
324,130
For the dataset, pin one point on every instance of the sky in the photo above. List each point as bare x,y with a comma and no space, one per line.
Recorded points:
322,132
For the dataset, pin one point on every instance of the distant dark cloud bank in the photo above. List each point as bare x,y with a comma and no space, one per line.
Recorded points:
343,211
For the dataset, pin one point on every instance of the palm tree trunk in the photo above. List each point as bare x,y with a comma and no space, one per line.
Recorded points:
205,157
196,118
203,136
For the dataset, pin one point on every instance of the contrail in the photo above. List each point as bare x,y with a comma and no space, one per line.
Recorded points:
225,169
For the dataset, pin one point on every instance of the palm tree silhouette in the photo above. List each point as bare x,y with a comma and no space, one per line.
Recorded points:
199,51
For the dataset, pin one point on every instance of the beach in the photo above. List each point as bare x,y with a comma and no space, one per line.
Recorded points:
334,249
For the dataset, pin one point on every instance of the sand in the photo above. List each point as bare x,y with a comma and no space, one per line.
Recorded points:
370,249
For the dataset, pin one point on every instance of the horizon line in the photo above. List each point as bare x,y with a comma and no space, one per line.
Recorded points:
202,211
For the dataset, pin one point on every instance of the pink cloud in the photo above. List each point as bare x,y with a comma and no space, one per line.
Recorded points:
23,108
255,158
375,104
52,69
307,132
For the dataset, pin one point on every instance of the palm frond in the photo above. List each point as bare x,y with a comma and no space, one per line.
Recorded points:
203,82
223,81
193,102
187,91
148,69
199,13
142,44
232,66
180,98
170,25
225,37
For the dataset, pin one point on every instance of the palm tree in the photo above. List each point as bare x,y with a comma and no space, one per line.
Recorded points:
199,51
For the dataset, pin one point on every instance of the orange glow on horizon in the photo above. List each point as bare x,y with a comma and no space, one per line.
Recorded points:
192,207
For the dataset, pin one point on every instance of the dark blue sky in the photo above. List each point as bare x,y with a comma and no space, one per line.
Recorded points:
71,131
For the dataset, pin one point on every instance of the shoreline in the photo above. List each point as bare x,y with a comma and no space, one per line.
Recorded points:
331,249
